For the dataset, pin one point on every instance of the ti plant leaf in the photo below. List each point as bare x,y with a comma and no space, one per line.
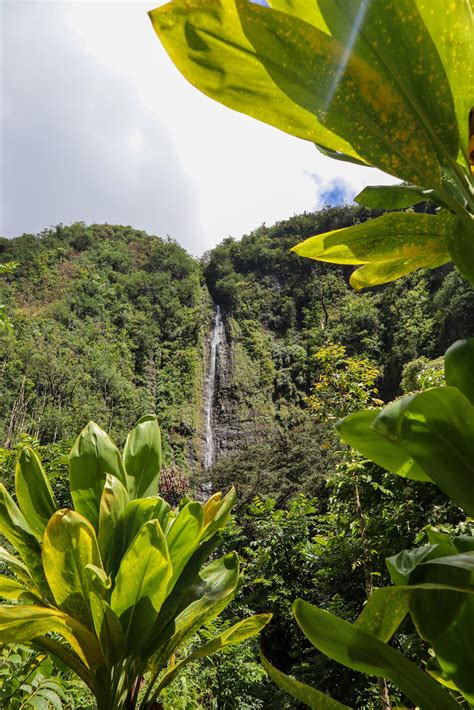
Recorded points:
142,457
33,491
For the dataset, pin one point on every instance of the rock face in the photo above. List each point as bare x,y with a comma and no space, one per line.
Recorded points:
237,407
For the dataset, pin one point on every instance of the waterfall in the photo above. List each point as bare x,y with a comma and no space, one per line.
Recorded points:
217,338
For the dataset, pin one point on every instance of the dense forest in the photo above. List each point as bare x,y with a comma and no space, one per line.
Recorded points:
110,323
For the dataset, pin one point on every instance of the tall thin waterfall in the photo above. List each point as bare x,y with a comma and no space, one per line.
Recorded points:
217,338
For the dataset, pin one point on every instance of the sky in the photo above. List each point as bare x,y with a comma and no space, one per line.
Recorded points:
97,125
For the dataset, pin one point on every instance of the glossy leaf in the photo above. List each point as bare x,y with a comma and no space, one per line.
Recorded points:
14,527
436,428
361,651
460,243
142,457
218,515
25,623
131,520
69,545
302,692
237,633
183,538
357,87
15,591
33,491
382,272
108,630
112,502
391,197
459,367
393,236
356,430
93,456
384,611
141,583
15,565
231,72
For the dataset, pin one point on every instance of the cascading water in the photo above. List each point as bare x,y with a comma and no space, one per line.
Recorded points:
217,338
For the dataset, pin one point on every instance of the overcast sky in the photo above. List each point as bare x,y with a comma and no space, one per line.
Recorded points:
97,125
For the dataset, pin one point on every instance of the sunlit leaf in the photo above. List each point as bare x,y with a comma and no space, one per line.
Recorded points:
33,491
459,367
142,457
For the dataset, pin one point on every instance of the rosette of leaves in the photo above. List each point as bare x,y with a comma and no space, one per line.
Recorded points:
385,84
121,579
425,437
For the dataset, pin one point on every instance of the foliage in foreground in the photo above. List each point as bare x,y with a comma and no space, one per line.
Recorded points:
113,587
386,84
424,437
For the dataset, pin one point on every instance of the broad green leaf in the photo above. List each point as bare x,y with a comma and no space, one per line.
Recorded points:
384,611
382,272
142,457
174,602
112,502
238,633
204,38
70,545
202,601
183,538
131,520
464,560
459,367
393,39
302,692
18,533
361,651
93,456
15,565
436,428
391,197
108,630
19,624
460,243
307,10
398,235
450,24
403,563
356,430
141,583
33,491
364,101
337,155
15,591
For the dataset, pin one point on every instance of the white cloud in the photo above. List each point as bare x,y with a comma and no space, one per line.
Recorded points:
100,126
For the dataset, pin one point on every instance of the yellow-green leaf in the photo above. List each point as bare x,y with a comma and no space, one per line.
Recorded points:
142,457
70,545
33,491
204,38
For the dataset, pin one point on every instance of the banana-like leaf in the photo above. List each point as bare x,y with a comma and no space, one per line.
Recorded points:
33,491
384,611
204,38
108,630
20,624
362,83
451,27
142,457
399,235
70,545
183,538
141,583
436,428
93,456
19,534
459,367
131,520
382,272
16,566
391,197
393,38
307,10
238,633
112,502
176,601
362,651
337,155
213,590
15,591
356,430
302,692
